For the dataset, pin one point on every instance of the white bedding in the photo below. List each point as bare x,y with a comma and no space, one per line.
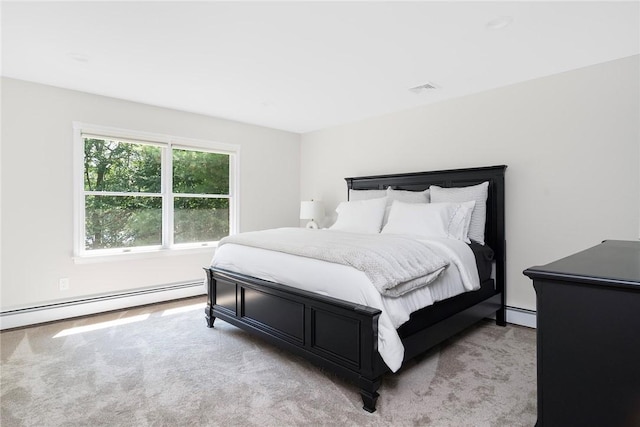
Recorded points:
347,283
395,264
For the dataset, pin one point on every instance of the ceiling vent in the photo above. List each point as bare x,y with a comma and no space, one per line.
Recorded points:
424,87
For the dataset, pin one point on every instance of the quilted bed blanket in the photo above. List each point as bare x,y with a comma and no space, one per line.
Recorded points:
395,264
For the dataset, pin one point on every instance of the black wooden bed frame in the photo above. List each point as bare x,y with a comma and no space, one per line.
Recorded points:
342,337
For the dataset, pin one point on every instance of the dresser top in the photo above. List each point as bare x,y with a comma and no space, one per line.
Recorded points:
613,262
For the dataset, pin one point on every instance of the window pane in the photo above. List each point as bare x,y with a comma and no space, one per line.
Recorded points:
121,166
199,172
122,222
200,220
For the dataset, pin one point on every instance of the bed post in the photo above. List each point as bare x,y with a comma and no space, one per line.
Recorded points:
500,245
372,366
369,392
208,310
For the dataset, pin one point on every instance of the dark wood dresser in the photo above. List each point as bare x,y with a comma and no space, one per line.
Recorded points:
588,315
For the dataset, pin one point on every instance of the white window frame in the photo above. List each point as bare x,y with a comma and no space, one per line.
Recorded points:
81,130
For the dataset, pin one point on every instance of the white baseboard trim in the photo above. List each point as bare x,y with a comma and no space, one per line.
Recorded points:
100,304
522,317
69,309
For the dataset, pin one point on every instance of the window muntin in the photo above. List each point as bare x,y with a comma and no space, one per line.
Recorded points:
152,194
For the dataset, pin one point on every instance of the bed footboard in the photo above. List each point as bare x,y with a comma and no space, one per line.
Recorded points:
339,336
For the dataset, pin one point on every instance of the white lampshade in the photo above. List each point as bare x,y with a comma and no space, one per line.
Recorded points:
313,209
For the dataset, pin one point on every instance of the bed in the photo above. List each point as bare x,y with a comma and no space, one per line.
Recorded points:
342,336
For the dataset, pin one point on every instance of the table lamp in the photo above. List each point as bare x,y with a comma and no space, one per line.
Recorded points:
312,210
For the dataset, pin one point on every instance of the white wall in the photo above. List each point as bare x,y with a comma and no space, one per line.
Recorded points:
37,190
571,142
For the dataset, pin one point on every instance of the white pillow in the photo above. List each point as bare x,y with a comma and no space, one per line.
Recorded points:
407,196
428,220
478,193
355,195
469,206
404,196
362,216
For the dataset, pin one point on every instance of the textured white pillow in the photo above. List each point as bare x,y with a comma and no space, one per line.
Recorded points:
355,195
404,196
407,196
427,220
478,193
467,222
362,216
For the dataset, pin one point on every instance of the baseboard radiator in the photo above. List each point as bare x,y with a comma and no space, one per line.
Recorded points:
82,307
522,317
99,304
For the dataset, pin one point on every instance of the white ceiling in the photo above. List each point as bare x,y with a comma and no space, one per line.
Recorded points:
302,66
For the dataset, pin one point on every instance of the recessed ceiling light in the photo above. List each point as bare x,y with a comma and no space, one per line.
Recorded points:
423,87
499,23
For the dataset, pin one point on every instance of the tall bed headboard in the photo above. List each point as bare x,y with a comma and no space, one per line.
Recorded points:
417,181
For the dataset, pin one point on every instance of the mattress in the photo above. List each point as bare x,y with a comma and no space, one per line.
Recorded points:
347,283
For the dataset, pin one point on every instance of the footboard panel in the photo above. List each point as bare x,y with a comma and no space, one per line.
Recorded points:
335,334
273,314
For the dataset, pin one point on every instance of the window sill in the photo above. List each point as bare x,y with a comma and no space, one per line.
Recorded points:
142,254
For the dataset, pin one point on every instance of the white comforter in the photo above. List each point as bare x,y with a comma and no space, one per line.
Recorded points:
347,283
395,264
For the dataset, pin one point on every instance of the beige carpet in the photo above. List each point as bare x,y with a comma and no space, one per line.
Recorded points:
160,366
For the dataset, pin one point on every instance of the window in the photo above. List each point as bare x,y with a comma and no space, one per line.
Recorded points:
144,192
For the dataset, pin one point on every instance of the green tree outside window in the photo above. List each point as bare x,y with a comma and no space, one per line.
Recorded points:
123,194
